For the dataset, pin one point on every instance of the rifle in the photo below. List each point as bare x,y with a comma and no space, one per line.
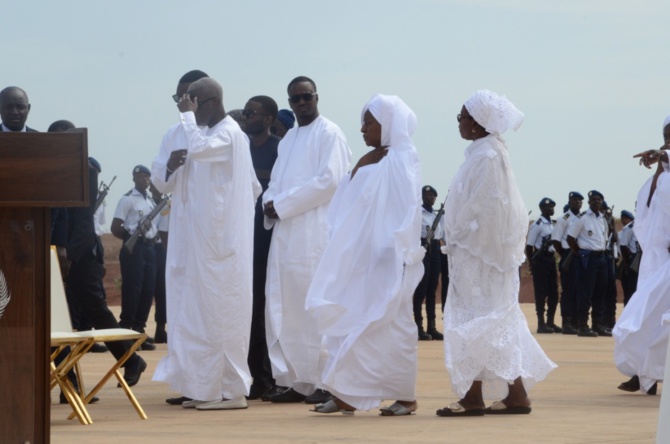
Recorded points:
144,225
568,260
546,242
430,232
102,193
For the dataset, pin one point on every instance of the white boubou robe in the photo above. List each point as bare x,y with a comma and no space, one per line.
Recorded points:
209,259
486,336
312,159
640,336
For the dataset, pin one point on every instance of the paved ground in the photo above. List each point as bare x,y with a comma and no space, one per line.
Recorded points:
578,403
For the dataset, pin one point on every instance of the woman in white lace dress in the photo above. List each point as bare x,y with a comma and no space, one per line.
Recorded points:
489,350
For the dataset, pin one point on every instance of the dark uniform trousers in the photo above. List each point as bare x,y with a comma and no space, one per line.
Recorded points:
85,284
428,285
160,315
138,274
444,262
591,286
545,283
609,315
628,284
569,287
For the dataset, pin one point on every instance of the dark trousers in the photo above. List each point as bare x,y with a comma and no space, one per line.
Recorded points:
85,284
444,260
258,358
138,274
591,286
628,284
545,283
569,286
160,315
609,312
428,285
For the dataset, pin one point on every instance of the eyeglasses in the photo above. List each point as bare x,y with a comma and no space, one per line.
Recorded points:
200,103
459,117
249,114
307,97
176,98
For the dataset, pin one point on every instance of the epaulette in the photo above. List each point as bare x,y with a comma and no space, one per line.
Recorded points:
129,192
581,214
566,216
537,222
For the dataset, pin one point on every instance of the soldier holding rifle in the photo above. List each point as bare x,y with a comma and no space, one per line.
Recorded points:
540,254
138,266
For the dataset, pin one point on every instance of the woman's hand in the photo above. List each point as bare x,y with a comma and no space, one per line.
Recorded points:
370,158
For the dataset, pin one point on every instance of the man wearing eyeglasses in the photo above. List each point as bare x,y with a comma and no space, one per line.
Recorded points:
258,117
206,164
313,157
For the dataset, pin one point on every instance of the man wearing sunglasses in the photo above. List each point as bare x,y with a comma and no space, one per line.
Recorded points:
313,157
258,116
209,269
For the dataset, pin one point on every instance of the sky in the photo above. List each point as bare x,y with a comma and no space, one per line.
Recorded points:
591,76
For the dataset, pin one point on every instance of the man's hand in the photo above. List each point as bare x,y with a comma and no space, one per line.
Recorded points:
650,157
177,159
269,210
185,104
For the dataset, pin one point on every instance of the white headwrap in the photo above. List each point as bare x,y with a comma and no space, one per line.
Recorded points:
397,120
495,113
666,122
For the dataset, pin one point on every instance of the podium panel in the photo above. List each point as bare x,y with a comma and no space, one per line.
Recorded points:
24,394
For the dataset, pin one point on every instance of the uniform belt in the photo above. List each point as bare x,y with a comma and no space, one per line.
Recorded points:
596,252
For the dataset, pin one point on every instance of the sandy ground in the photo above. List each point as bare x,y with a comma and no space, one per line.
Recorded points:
578,403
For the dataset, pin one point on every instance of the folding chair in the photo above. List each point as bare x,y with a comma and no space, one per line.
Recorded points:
59,306
62,337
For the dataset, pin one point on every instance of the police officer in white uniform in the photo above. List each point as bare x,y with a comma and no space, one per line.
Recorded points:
138,269
540,254
432,266
559,238
629,252
587,237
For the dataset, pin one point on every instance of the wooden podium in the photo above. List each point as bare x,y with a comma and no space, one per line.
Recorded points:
37,171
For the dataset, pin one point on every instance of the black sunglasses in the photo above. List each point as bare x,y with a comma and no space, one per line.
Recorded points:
461,116
249,114
307,97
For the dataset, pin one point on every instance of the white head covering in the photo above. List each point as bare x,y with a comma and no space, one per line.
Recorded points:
397,120
495,113
666,122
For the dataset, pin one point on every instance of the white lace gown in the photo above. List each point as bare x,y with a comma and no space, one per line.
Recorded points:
486,336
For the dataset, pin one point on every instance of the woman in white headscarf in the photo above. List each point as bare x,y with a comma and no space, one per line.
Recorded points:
361,295
640,336
489,350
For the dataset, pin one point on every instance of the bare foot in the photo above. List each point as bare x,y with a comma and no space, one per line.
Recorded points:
410,405
343,405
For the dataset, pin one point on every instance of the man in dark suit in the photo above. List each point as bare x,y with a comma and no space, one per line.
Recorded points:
14,109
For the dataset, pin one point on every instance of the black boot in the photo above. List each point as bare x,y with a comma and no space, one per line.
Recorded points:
585,331
423,336
551,324
432,331
161,335
568,329
542,327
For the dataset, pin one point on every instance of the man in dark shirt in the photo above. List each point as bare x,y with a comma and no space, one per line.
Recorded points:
258,116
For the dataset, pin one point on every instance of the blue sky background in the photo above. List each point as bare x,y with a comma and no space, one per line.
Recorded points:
590,76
